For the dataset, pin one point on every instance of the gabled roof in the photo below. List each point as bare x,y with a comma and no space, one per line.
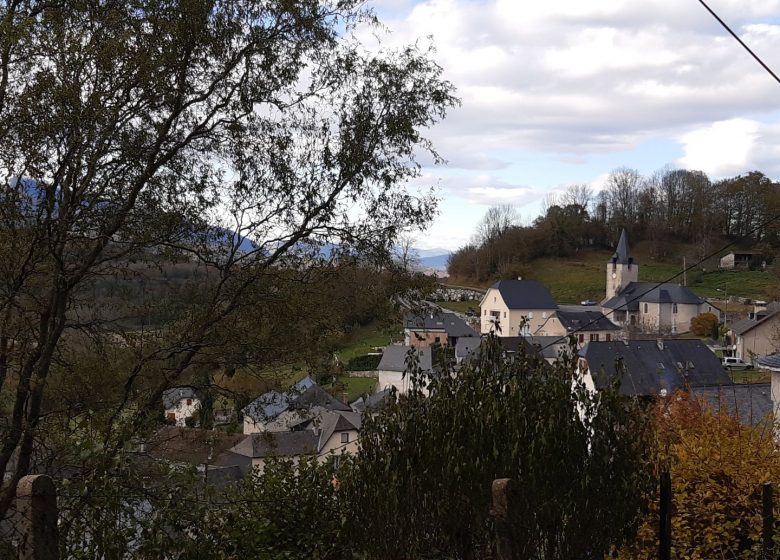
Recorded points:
650,368
171,397
371,402
590,320
189,445
771,362
466,345
304,394
747,324
394,358
623,252
447,322
278,444
337,422
525,294
635,293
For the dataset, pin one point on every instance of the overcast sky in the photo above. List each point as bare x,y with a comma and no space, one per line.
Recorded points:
557,92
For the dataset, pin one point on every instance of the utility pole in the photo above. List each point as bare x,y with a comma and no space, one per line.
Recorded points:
685,272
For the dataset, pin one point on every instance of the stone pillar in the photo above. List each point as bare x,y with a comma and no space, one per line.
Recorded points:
36,499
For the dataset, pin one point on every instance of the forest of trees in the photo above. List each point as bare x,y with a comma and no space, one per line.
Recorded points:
672,205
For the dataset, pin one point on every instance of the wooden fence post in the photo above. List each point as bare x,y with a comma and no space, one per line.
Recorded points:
665,518
768,515
501,511
36,499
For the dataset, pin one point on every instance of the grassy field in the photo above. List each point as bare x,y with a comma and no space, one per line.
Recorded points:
750,376
349,389
362,340
573,280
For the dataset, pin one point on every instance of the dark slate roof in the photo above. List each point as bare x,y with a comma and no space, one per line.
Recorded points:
649,369
466,345
304,394
772,361
650,292
549,346
371,402
278,444
743,326
171,397
189,445
585,321
332,422
448,322
751,403
394,358
517,344
525,294
623,252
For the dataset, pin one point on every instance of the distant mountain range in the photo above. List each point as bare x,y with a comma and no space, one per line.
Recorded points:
438,262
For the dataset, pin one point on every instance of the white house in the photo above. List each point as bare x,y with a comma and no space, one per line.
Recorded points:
180,403
515,307
393,365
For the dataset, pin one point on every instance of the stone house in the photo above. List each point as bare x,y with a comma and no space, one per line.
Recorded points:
444,328
180,404
515,307
647,306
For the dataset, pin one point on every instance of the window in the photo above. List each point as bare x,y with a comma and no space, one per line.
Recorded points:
582,338
709,309
594,337
485,312
645,308
504,314
189,402
544,314
437,339
609,337
674,308
633,319
344,437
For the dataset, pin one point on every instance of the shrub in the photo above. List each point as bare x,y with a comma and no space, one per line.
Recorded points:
363,363
704,324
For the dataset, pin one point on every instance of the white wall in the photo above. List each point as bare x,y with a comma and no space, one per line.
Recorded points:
181,411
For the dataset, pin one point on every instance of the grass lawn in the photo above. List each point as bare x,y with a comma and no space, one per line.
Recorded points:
749,376
459,306
350,388
362,340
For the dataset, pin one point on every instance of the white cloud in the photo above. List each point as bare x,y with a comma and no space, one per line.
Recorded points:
575,77
732,147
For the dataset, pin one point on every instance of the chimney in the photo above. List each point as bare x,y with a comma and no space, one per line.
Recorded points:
660,343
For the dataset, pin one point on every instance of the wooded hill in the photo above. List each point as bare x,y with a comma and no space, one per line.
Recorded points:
668,215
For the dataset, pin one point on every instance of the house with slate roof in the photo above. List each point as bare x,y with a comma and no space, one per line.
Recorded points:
444,328
180,403
394,363
758,334
650,368
276,411
515,307
587,325
648,306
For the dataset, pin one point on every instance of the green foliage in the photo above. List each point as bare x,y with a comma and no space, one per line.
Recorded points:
704,324
425,466
363,363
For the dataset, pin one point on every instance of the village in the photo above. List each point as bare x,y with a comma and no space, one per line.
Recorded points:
639,335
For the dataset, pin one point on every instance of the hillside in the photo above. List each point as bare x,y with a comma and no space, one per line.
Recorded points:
583,277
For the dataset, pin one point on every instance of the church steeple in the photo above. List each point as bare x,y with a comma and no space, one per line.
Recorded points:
623,252
621,269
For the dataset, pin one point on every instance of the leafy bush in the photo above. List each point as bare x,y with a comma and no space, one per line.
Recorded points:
704,324
420,485
363,363
717,468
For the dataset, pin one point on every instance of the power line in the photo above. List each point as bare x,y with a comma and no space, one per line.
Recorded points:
741,42
670,279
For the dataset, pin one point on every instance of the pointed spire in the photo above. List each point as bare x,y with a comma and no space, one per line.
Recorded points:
623,253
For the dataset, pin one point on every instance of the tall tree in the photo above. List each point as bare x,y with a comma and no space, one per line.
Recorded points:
239,135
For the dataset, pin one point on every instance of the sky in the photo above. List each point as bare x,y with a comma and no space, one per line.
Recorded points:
557,92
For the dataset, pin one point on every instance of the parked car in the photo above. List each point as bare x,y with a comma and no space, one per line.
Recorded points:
734,363
587,302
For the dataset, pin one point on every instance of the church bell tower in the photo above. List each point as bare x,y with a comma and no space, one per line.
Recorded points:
621,269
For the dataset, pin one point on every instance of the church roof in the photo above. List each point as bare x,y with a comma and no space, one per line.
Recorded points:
649,292
623,252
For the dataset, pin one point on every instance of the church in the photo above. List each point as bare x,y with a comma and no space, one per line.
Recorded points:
648,306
